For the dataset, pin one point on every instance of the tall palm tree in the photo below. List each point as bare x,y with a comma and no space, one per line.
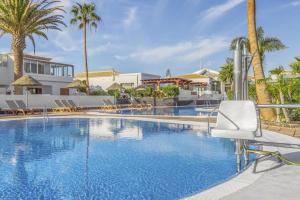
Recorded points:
85,15
25,18
265,44
263,96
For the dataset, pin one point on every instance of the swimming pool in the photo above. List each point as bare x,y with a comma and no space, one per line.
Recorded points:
171,111
109,159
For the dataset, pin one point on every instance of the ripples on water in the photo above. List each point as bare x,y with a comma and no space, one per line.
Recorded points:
109,159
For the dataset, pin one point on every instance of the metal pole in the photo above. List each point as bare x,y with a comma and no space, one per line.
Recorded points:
240,88
237,75
26,97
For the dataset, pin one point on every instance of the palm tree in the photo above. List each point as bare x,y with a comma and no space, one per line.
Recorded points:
265,44
85,15
279,83
226,72
295,65
263,96
24,19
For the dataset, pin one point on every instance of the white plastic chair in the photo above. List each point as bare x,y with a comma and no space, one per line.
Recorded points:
236,120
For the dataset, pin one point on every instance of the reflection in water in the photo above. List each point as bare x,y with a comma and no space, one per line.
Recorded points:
171,111
108,159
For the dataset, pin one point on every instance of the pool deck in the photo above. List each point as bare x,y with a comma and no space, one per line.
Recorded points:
273,180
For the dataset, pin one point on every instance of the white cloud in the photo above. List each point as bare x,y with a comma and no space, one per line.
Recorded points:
190,51
294,3
66,3
161,53
65,41
131,17
219,10
205,48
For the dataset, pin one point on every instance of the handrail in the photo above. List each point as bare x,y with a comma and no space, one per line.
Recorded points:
278,105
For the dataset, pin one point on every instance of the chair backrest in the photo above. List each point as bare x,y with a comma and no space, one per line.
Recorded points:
72,103
237,115
12,105
21,104
58,103
105,102
65,103
109,102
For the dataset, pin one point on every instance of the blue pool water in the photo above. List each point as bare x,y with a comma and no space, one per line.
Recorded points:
109,159
171,111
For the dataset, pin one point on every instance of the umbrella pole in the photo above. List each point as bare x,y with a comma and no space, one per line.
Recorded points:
26,97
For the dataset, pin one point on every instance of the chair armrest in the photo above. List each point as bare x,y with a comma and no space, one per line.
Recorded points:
216,109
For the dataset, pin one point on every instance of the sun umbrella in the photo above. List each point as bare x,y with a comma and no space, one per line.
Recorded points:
26,81
115,86
76,84
140,88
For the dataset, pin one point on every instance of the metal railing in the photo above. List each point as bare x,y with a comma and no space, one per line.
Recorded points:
278,105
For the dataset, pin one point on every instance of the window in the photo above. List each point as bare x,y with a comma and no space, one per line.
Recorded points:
70,71
52,70
3,61
65,71
41,68
27,67
47,69
33,67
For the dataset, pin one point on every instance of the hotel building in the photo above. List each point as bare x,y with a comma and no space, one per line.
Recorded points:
106,78
53,76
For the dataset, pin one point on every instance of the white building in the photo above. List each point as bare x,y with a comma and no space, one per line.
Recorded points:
104,79
53,76
205,81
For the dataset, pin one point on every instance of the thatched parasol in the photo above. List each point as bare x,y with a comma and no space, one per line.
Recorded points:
77,84
26,81
140,88
115,86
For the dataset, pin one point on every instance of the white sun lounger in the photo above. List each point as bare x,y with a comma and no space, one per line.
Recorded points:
236,120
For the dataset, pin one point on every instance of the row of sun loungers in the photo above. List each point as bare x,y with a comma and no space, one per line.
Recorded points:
111,106
19,107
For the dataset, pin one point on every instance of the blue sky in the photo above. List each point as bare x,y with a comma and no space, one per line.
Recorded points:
182,35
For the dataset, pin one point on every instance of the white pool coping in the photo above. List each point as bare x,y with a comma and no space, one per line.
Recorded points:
238,182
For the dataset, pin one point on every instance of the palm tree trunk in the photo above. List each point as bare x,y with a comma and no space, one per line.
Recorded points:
277,113
285,113
263,96
86,62
18,46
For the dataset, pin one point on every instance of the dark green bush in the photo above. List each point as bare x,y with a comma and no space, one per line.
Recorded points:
170,91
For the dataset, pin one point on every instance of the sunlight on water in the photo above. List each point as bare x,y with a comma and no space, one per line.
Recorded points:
109,159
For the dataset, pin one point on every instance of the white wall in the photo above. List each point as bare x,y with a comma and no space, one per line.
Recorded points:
41,101
134,78
186,95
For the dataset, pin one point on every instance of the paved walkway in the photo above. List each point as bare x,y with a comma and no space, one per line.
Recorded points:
282,182
273,181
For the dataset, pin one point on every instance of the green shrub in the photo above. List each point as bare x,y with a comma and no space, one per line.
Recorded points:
230,94
295,114
115,93
170,91
98,93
